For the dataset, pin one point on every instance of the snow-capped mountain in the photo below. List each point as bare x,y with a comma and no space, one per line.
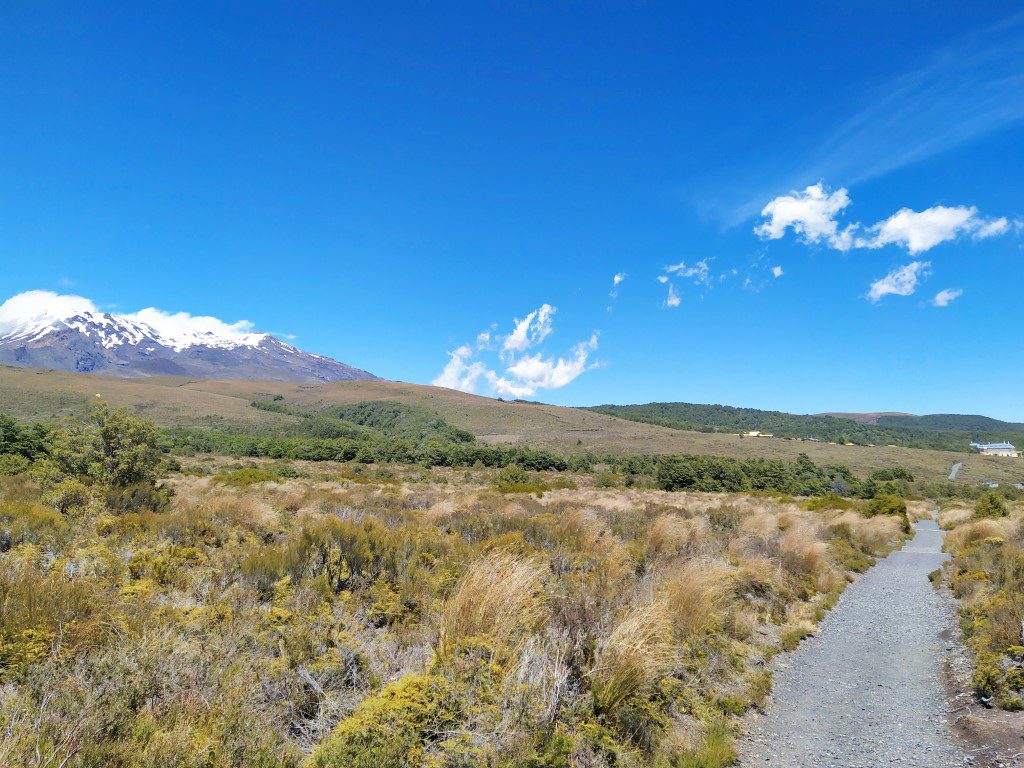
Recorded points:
41,329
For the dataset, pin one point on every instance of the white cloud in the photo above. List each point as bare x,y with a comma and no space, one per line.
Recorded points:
524,374
672,300
900,282
459,373
179,330
531,330
919,231
946,296
40,308
184,329
811,214
699,272
777,271
662,279
992,228
619,277
534,372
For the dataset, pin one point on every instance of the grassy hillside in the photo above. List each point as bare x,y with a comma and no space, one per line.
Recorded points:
168,401
954,422
944,432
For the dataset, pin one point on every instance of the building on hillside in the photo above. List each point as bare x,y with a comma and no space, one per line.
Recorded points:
996,449
755,433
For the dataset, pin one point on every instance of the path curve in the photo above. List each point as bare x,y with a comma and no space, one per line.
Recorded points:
867,689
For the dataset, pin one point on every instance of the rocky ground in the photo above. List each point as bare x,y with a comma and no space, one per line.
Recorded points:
870,689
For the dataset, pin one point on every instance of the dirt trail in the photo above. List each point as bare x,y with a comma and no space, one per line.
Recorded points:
867,690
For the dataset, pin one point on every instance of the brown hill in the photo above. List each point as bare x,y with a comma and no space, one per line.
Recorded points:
32,394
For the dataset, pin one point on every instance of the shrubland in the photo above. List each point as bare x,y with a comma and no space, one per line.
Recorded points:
986,541
279,613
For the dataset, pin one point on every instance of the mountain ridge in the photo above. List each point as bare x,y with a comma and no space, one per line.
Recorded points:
39,329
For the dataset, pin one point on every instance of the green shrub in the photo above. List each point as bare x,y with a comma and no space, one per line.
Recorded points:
515,479
66,494
828,501
885,504
13,464
990,505
892,473
243,478
888,504
389,730
848,557
715,751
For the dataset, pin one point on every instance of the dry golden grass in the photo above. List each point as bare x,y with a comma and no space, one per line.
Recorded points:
498,598
970,532
803,554
672,536
920,510
694,594
636,654
875,532
952,515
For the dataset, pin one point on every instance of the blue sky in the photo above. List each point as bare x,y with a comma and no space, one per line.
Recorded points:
388,182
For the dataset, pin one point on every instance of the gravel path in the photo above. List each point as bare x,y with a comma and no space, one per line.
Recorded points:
867,691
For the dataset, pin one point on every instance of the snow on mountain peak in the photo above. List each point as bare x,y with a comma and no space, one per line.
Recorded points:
33,314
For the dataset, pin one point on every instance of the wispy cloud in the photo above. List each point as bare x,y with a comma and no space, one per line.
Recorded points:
613,294
777,272
619,277
699,272
946,296
900,282
962,92
672,300
531,330
523,374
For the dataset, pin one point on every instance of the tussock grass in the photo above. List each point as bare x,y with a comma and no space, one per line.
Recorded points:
636,653
498,598
803,554
965,535
671,536
694,593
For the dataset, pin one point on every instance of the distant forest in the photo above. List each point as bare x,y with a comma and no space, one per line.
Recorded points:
947,432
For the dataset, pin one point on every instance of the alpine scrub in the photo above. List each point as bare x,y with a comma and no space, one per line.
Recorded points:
339,615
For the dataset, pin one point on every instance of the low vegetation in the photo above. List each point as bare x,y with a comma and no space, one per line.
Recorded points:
937,432
986,540
274,613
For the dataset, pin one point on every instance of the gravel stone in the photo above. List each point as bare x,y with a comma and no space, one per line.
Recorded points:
867,690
